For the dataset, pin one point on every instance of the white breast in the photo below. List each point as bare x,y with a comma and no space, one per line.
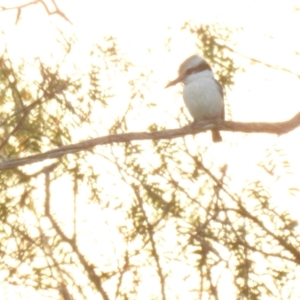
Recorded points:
203,97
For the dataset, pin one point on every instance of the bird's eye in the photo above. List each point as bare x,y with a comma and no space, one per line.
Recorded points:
189,71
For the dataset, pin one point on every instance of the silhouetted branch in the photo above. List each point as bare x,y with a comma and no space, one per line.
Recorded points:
151,231
250,127
46,7
90,270
254,60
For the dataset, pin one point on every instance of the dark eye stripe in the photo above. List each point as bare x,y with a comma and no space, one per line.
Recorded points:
201,67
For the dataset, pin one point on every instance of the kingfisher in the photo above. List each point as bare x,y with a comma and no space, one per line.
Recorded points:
202,93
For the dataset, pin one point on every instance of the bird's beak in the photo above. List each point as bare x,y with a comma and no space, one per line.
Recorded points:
173,82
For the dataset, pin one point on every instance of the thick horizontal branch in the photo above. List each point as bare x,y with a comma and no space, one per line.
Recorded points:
275,128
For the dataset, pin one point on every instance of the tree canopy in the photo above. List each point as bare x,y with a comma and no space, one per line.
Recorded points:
154,211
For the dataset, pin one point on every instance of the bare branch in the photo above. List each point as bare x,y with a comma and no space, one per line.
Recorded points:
49,12
155,254
20,6
71,241
250,127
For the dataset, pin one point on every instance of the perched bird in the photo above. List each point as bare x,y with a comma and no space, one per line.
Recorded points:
202,93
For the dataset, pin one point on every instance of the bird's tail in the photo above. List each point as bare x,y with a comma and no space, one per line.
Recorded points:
216,136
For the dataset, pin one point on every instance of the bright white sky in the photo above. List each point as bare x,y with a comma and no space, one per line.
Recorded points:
270,34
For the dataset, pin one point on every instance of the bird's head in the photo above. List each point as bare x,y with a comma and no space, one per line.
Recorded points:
191,65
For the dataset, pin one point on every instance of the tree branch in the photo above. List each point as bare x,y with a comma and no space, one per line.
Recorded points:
48,10
250,127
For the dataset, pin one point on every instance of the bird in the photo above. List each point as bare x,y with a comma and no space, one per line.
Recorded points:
202,93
